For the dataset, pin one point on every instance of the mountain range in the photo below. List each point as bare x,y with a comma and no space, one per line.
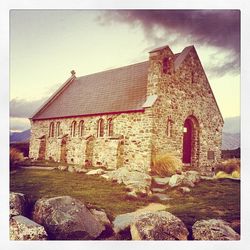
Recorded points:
230,136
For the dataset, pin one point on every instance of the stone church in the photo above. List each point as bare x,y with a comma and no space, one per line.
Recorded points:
123,116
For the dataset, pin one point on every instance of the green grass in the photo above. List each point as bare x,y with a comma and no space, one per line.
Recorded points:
218,199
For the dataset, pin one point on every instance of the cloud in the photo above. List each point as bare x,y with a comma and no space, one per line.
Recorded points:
23,108
19,124
219,28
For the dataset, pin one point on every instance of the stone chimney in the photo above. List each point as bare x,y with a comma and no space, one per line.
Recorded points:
161,63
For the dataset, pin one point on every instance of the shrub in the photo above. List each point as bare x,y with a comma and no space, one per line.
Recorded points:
15,156
165,164
229,166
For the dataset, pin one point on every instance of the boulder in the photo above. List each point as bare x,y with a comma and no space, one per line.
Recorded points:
160,225
158,190
161,181
66,218
134,180
101,216
95,171
123,221
191,177
18,204
22,228
176,180
213,230
80,169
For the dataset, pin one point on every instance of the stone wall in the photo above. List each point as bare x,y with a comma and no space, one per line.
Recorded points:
130,144
185,92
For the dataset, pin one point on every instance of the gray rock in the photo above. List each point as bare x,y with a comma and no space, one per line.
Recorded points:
161,181
80,169
101,216
66,218
159,225
176,180
98,171
123,221
185,189
134,180
213,230
22,228
158,190
191,177
71,169
162,197
18,204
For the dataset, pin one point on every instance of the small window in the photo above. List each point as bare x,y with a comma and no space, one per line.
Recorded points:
73,129
169,127
51,129
58,129
210,155
165,65
100,128
81,128
110,127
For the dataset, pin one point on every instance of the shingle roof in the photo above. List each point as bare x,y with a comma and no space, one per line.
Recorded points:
117,90
113,91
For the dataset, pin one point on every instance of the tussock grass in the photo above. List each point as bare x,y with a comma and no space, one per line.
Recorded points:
228,169
15,156
165,164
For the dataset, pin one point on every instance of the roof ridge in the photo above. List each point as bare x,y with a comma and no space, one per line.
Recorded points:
122,67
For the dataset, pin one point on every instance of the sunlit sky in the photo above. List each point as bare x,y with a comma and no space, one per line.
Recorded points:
46,45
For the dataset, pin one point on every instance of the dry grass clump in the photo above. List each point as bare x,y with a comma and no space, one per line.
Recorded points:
165,164
15,156
229,166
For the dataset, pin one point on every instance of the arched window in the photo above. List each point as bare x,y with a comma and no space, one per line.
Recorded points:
110,127
51,129
169,127
81,128
58,129
100,128
73,129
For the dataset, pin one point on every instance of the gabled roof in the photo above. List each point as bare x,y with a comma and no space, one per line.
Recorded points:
118,90
113,91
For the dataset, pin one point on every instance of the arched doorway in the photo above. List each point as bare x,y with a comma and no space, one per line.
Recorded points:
42,148
63,155
190,155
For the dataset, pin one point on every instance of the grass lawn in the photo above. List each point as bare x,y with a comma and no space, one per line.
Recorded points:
219,199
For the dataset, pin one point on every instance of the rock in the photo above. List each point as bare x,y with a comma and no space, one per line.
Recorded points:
62,168
161,181
71,169
105,176
95,171
132,194
160,225
134,180
80,169
213,230
22,228
185,189
162,197
158,190
18,204
123,221
101,216
175,180
66,218
191,176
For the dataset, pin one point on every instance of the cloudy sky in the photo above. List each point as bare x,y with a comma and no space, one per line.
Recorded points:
46,45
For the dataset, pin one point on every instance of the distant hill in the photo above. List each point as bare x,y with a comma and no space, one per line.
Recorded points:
230,141
20,136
